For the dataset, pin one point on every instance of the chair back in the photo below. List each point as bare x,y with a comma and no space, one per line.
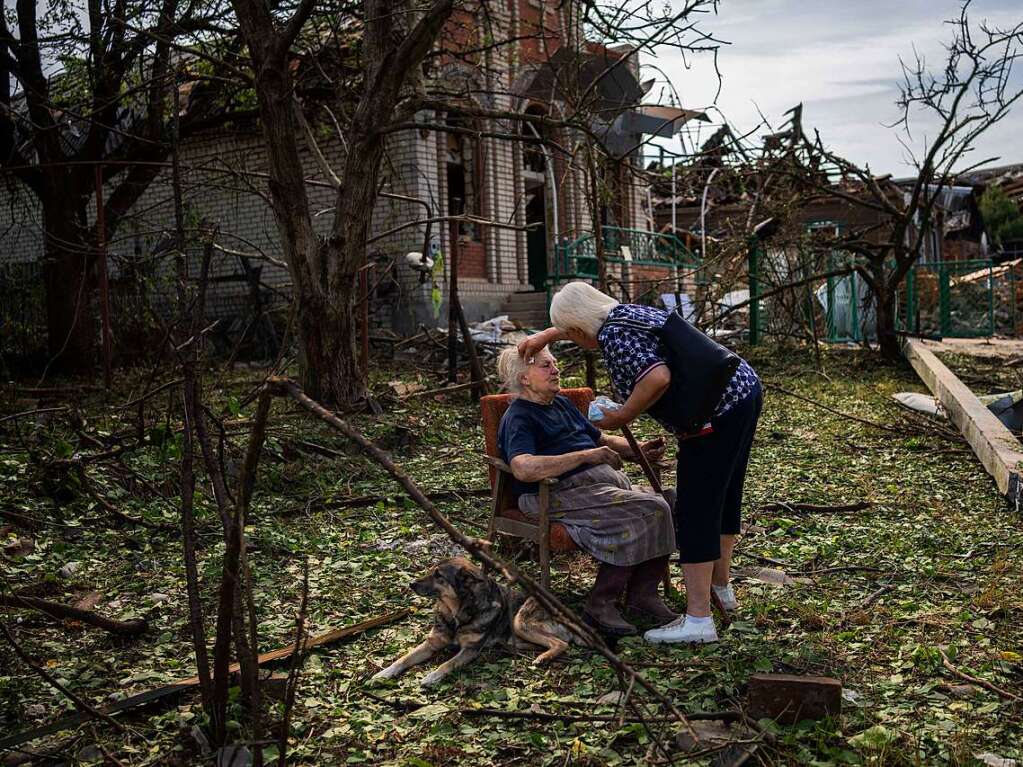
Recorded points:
493,407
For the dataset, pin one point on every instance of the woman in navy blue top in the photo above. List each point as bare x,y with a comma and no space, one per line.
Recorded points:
711,464
630,533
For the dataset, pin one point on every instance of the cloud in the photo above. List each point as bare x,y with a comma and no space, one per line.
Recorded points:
840,59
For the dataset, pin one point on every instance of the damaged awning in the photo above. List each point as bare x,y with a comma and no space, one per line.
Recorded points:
611,92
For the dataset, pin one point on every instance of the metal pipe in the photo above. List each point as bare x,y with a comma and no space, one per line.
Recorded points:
674,207
703,214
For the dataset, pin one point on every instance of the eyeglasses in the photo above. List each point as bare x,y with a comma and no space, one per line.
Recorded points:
545,363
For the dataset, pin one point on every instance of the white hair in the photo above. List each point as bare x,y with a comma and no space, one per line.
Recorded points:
580,306
510,368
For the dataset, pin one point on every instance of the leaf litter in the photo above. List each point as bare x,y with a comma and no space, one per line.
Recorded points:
937,541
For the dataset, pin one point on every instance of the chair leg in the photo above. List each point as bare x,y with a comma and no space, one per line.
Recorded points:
667,578
544,524
495,507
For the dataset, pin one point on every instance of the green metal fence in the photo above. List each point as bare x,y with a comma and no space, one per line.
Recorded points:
577,259
953,299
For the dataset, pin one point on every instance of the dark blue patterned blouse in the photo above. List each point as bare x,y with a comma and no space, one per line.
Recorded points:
629,354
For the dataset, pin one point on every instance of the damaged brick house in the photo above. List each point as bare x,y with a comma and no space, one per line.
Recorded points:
428,175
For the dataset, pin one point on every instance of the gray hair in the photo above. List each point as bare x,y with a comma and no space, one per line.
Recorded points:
510,367
580,306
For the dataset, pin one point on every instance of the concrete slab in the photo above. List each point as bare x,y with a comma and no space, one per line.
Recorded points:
996,447
996,347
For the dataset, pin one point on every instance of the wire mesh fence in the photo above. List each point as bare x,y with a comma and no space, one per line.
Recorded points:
22,314
951,299
246,314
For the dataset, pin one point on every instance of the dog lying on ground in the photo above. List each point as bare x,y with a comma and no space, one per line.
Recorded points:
474,612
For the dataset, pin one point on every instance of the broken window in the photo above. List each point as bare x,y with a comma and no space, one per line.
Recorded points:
464,178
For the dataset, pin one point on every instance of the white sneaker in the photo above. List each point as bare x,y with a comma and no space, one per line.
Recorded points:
727,596
682,630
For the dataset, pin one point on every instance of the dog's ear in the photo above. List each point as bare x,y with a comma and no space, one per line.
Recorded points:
451,573
483,588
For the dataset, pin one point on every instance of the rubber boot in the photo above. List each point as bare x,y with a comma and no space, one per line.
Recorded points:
643,601
601,612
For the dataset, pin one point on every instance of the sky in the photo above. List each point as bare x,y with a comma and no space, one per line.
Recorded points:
840,58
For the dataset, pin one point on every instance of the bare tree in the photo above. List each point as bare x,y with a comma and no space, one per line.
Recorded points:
84,102
793,176
971,94
398,40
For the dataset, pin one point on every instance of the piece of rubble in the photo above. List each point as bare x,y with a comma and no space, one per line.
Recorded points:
790,698
921,403
89,601
402,389
20,548
69,569
994,445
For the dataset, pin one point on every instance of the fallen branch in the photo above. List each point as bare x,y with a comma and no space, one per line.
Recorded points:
975,680
444,389
811,508
480,549
843,569
129,628
80,703
833,411
730,715
37,411
372,500
112,510
873,597
179,686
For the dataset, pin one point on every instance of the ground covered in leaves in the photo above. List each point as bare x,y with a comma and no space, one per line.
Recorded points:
873,597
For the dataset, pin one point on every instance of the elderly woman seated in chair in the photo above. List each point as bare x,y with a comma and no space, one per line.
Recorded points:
631,533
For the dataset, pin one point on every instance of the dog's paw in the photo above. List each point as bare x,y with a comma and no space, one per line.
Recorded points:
388,673
431,679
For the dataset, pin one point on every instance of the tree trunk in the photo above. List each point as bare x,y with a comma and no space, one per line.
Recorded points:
887,338
885,298
328,330
67,268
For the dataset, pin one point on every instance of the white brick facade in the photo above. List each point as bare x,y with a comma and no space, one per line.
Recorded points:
225,185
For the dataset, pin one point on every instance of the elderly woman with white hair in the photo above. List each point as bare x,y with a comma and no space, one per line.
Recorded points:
543,435
712,461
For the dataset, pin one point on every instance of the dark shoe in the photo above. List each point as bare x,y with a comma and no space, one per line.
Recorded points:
643,601
609,621
601,612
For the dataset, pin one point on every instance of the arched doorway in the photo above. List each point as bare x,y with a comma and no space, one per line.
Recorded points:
534,174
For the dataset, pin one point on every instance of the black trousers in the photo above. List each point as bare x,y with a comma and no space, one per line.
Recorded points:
711,474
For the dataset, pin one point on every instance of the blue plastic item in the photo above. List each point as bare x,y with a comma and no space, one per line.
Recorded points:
595,413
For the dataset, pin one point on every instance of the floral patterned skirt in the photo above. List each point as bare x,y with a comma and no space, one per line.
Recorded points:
609,519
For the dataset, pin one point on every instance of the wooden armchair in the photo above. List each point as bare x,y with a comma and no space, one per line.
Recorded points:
505,516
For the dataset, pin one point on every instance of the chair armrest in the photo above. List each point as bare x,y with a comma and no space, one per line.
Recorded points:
497,463
500,465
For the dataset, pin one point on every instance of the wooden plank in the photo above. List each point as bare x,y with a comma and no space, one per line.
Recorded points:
994,445
789,698
518,529
181,685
